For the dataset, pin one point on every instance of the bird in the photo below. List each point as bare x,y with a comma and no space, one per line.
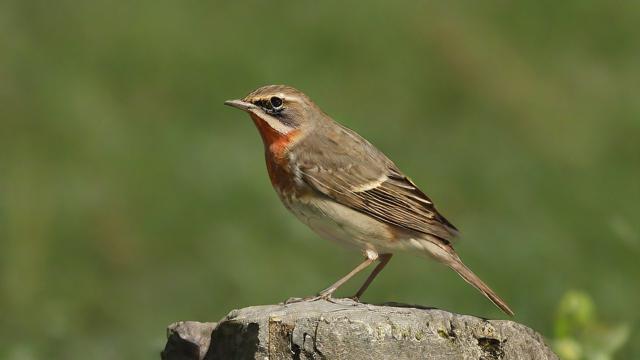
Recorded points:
345,189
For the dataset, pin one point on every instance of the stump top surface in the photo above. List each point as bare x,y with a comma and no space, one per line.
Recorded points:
345,329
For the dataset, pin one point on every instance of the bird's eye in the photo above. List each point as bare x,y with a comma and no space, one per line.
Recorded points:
276,103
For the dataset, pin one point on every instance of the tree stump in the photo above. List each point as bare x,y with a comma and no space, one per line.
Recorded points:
344,329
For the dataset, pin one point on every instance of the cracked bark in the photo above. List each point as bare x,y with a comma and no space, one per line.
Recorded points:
350,330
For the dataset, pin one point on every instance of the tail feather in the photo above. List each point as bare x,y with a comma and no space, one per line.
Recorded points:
456,264
443,252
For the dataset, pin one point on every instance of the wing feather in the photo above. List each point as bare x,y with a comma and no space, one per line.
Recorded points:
364,179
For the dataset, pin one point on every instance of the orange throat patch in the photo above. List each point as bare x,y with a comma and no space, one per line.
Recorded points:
276,145
274,141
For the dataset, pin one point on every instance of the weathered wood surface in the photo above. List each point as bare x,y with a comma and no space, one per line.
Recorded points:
348,330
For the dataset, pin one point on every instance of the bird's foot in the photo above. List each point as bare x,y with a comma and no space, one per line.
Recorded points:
293,300
320,296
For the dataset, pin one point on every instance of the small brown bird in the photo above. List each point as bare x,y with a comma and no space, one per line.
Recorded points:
347,190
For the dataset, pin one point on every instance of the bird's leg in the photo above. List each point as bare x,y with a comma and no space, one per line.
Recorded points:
384,260
326,293
370,257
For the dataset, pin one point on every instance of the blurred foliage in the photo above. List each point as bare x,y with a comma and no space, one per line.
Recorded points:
579,335
130,197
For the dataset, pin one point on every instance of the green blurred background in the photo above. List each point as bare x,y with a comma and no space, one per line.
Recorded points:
130,197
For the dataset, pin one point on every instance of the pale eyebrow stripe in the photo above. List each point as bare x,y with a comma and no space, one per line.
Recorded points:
289,97
283,96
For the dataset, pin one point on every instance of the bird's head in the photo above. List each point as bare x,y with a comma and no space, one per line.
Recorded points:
280,112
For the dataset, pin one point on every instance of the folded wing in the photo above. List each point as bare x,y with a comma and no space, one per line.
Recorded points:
361,177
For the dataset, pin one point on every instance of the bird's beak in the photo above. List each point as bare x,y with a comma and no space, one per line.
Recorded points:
239,104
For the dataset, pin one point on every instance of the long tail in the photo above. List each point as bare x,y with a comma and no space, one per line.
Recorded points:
456,264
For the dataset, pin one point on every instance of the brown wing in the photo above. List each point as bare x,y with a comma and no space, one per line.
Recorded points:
359,176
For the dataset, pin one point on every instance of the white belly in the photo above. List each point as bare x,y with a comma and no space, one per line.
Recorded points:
343,224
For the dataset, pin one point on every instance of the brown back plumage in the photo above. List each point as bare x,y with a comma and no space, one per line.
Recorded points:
358,175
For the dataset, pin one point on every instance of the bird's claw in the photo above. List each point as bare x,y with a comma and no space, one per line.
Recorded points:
321,296
292,300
